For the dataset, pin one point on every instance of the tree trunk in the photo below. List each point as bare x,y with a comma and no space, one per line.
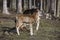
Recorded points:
34,3
48,5
55,9
19,6
26,4
50,9
41,5
44,4
30,4
13,4
5,9
53,5
58,8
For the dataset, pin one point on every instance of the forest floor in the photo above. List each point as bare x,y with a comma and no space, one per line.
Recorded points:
48,30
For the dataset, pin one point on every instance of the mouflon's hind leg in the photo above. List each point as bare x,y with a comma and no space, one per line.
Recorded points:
37,21
31,29
18,26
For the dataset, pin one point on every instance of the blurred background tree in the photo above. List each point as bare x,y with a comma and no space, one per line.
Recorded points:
48,6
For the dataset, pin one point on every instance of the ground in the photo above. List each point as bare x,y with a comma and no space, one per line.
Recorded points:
48,30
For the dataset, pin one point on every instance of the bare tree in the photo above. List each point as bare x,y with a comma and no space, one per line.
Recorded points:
5,9
19,6
55,8
58,8
26,4
34,3
30,4
41,5
44,4
13,4
48,5
53,5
